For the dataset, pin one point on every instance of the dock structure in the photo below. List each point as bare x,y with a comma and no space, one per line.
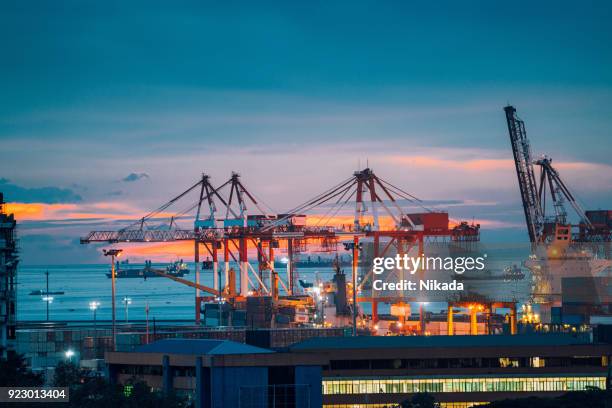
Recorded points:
231,225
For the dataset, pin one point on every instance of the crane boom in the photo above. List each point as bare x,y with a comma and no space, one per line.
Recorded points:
526,177
188,283
139,235
557,183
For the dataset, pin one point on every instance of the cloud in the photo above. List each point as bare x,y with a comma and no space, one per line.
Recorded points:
111,211
65,249
47,195
135,177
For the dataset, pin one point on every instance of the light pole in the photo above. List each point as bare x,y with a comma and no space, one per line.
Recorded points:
147,314
113,253
127,301
47,298
93,306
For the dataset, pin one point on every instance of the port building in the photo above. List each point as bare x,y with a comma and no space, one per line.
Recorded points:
369,371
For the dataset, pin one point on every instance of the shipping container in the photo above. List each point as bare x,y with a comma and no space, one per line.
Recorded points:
433,221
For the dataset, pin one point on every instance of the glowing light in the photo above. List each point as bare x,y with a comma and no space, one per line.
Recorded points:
94,305
69,353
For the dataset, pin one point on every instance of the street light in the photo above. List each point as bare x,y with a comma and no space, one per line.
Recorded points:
127,301
93,306
48,299
113,253
69,353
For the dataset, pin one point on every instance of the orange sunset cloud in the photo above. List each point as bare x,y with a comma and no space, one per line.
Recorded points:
49,212
471,165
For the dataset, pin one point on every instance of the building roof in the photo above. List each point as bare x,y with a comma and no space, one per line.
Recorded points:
369,342
200,347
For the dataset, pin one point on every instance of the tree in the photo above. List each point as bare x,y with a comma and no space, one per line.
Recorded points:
15,372
420,400
66,374
85,391
142,396
99,393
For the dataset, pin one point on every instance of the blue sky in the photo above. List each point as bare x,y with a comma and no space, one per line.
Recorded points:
294,97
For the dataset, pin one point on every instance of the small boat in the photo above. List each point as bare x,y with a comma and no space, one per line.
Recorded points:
305,284
41,292
178,268
207,264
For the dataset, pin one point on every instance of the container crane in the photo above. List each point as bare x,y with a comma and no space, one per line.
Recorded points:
238,231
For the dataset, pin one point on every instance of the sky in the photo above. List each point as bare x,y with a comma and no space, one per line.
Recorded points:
110,109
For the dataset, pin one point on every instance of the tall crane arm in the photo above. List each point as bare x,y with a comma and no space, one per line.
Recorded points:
139,236
526,177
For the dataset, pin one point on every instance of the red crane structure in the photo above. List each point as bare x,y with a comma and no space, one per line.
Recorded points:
228,235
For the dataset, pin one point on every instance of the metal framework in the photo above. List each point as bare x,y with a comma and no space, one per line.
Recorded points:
230,238
526,177
542,227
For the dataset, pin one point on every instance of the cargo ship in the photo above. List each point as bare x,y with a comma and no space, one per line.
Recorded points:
177,268
41,292
309,262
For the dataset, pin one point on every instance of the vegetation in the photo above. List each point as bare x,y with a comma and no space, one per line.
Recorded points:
14,372
66,374
98,393
85,390
420,400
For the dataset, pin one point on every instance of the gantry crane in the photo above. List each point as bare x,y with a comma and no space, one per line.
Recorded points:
233,235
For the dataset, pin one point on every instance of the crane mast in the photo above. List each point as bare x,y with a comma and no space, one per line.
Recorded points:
525,173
